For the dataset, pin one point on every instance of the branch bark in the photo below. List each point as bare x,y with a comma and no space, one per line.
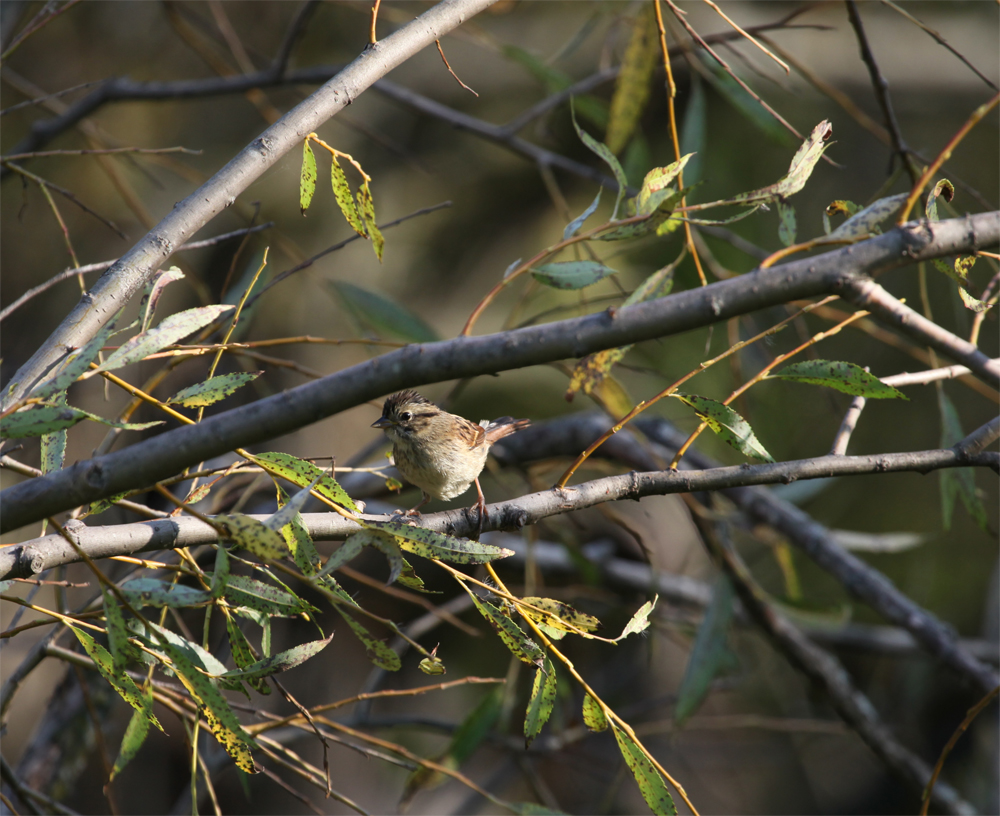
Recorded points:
166,454
122,280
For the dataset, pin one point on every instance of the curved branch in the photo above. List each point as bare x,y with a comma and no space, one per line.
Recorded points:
164,455
122,280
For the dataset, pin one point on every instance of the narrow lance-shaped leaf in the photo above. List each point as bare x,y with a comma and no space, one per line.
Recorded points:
307,177
943,188
694,128
46,419
378,652
253,536
576,223
385,316
559,615
786,223
651,783
961,481
153,592
432,544
846,377
656,186
135,735
243,654
342,192
346,552
367,208
115,627
153,291
76,364
602,150
593,715
213,389
169,331
264,598
543,696
632,84
283,661
220,577
571,274
520,645
290,507
737,96
865,222
709,652
53,451
303,473
727,424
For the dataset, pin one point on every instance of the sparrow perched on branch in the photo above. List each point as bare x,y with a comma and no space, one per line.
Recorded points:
441,453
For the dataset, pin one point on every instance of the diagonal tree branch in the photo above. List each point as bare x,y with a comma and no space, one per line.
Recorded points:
123,279
168,453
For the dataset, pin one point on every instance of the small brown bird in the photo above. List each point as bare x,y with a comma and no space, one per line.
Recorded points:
441,453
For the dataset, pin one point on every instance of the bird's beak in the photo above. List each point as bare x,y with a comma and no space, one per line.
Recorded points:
382,422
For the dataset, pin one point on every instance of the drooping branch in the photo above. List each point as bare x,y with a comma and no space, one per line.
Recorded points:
122,280
162,456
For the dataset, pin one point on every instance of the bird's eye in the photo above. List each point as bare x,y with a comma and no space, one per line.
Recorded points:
406,416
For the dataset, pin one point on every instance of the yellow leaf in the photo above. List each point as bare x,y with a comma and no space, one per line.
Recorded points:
632,86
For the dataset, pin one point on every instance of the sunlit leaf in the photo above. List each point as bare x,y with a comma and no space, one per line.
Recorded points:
632,84
656,186
432,544
640,620
307,177
803,162
75,364
432,665
543,696
727,424
213,389
302,473
153,592
846,377
345,200
593,715
154,290
378,652
708,652
169,331
39,420
283,661
253,536
651,782
264,598
559,615
385,316
571,274
367,209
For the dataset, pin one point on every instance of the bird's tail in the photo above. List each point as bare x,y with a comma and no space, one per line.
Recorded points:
505,426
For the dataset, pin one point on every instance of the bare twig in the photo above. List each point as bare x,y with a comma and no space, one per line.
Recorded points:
847,426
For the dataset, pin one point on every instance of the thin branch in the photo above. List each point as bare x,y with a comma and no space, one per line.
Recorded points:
840,271
847,426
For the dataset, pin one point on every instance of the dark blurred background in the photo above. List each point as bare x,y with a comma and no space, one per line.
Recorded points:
441,264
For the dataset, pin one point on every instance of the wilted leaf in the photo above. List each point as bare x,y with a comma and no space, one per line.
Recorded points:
640,620
307,177
657,185
632,85
171,329
846,377
385,316
727,424
651,783
543,696
213,389
799,170
152,292
571,274
942,188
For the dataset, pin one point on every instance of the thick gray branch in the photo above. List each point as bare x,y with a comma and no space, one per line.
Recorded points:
122,280
164,455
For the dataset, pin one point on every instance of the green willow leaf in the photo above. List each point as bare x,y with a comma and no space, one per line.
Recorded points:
656,186
593,715
121,682
367,209
543,697
40,420
76,364
571,274
960,482
736,96
342,192
243,655
801,167
727,424
385,316
302,473
253,536
651,783
170,330
432,544
213,389
786,223
152,592
135,735
53,451
709,652
264,598
116,630
378,651
865,222
609,158
307,177
559,615
573,226
283,661
694,129
152,292
520,645
846,377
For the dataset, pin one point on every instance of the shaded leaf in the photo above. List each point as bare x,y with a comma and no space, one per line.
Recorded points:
694,128
591,108
253,536
571,274
170,330
602,151
543,696
135,735
632,84
114,626
345,200
846,377
576,223
593,715
961,481
349,550
727,424
708,653
942,188
385,316
213,389
651,782
378,652
153,592
302,473
53,451
243,655
409,578
307,177
289,508
730,90
786,225
866,222
432,544
283,661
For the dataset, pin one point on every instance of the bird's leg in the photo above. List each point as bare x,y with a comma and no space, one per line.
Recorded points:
481,508
415,510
